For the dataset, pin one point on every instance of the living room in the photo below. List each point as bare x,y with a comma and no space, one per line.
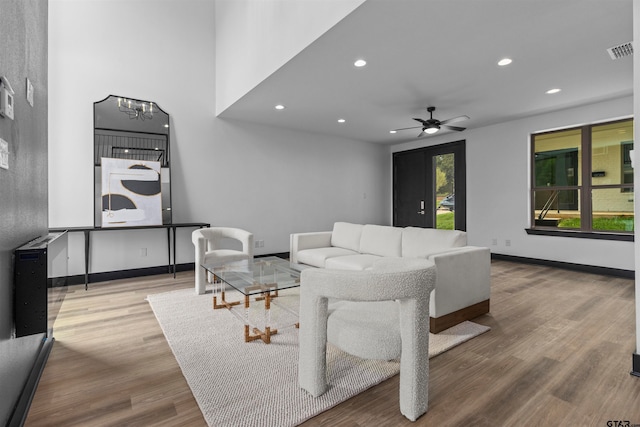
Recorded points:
240,173
272,180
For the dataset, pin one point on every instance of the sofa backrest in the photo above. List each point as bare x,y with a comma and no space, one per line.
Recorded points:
381,240
423,242
346,235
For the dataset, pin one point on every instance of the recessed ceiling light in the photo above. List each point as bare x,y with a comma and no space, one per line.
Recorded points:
504,61
280,107
360,63
341,120
554,90
393,131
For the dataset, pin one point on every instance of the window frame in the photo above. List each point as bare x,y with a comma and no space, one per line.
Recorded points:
584,187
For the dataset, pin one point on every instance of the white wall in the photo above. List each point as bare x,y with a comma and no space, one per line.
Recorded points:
498,183
255,38
270,181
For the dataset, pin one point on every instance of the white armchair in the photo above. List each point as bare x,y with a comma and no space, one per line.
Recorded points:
392,323
209,248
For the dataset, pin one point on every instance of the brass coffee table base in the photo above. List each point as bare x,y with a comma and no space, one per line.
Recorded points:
223,303
258,334
265,335
261,281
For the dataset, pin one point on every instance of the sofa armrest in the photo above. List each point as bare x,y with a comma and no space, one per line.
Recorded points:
301,241
463,278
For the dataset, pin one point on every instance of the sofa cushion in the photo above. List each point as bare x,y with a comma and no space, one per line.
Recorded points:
352,262
346,235
318,256
381,240
424,242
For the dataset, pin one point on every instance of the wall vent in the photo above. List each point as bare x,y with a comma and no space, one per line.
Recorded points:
625,49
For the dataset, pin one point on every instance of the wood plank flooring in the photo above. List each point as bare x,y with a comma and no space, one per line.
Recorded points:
558,354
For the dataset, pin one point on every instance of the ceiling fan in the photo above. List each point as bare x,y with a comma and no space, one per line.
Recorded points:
431,125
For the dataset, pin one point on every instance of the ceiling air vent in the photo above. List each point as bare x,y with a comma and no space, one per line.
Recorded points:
625,49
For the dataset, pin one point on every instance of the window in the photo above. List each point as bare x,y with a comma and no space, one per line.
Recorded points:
582,179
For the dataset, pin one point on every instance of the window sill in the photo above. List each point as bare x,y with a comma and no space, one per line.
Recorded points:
580,234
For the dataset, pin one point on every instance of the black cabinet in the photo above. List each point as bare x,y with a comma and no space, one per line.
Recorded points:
32,265
30,291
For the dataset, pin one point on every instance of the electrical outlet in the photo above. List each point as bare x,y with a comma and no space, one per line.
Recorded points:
507,242
494,242
143,252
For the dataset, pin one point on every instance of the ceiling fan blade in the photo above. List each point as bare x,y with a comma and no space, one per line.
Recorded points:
415,127
453,127
420,120
454,119
421,134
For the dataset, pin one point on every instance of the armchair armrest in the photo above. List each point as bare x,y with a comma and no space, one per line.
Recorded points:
372,285
301,241
246,238
200,243
206,239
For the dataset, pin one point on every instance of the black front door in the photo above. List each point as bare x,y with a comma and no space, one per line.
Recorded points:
409,189
429,187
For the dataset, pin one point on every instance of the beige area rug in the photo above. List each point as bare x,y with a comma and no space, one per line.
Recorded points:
255,384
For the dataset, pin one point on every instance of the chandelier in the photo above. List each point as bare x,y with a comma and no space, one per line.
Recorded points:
136,109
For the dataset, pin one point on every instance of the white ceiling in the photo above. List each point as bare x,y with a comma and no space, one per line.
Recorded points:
444,53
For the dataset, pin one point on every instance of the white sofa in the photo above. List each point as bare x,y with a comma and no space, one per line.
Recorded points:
463,284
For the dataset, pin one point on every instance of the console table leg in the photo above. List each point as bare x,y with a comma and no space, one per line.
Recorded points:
87,248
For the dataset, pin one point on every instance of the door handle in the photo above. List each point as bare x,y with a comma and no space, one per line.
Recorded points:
421,212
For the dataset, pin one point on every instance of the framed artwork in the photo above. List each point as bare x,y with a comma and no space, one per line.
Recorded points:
131,193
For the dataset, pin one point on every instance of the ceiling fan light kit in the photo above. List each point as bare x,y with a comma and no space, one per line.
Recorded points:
431,125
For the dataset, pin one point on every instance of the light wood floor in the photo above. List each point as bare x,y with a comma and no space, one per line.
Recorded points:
559,354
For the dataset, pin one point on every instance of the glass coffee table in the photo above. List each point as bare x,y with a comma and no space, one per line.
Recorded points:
258,280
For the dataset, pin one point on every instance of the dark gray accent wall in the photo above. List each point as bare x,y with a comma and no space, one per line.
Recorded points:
23,187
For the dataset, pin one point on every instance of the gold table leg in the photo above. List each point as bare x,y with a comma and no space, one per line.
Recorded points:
223,302
250,334
265,335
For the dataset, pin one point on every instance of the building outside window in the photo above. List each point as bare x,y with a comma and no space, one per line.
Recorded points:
582,179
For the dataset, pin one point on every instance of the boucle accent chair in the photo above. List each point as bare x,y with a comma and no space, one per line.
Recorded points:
209,246
382,313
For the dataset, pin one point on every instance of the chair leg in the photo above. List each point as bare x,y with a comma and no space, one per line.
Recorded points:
414,362
312,365
200,280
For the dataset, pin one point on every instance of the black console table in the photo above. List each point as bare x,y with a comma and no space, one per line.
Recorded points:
169,227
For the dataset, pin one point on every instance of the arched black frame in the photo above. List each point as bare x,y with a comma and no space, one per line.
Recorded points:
128,128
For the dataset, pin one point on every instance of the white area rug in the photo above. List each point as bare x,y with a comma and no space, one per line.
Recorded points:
255,384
